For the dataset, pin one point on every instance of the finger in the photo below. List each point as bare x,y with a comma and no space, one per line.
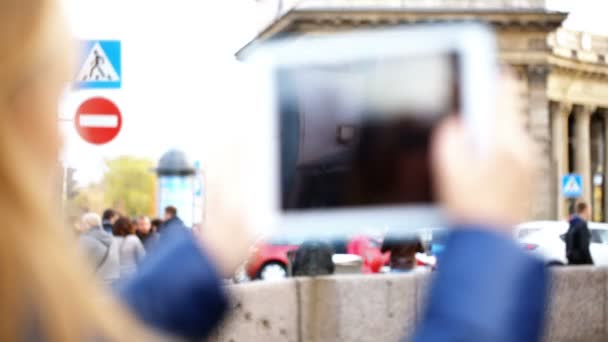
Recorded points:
450,153
449,143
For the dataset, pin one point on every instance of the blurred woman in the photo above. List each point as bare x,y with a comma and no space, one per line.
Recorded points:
130,248
47,292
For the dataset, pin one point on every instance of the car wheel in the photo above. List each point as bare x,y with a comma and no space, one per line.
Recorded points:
555,263
273,271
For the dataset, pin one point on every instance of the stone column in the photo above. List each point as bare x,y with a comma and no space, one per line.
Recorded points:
605,168
543,202
582,150
559,126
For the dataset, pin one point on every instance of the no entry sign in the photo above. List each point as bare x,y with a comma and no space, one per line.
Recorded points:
98,120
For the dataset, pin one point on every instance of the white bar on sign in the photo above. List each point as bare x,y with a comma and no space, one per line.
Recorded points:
98,120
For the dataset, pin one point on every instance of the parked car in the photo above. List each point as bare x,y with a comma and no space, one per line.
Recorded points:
527,228
546,239
268,260
369,249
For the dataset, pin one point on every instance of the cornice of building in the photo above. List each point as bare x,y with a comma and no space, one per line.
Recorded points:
480,5
360,13
378,17
566,65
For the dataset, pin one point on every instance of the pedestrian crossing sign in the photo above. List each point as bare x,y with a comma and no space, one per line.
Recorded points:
100,65
572,185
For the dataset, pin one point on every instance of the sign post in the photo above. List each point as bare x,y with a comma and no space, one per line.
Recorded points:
98,120
100,65
572,185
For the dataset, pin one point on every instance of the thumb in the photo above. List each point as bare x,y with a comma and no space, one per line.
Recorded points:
450,149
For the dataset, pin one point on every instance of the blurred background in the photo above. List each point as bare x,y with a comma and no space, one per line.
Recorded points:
179,71
182,81
180,75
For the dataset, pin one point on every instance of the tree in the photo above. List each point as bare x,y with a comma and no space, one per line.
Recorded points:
90,198
129,185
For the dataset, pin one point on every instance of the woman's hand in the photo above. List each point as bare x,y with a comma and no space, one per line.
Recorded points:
493,189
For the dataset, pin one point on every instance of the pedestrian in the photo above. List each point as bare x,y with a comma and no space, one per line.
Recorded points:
145,232
100,248
578,237
171,220
109,217
367,248
313,258
402,253
155,225
130,248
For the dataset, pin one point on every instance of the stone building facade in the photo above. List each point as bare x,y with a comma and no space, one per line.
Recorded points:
563,77
577,88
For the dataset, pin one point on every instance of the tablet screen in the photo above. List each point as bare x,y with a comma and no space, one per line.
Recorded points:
358,134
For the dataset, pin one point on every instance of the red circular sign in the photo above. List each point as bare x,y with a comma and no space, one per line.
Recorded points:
98,120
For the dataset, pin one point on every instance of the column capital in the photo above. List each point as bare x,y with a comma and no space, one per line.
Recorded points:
537,73
562,108
584,110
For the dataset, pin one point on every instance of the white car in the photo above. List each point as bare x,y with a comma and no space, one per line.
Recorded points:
545,238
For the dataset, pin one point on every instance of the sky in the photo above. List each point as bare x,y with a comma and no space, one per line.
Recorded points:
179,76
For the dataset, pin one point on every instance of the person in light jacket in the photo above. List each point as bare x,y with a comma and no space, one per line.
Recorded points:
100,248
130,248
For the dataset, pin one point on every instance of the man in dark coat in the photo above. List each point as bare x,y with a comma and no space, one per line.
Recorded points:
145,232
578,237
108,218
403,252
172,221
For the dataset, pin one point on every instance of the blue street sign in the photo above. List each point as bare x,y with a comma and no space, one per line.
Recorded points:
572,185
100,65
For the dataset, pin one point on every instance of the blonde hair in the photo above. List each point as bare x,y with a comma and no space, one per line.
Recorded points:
45,286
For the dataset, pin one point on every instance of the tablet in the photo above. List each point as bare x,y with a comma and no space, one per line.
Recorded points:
342,143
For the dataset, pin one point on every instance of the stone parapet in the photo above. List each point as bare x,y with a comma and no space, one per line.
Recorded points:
262,311
387,307
579,46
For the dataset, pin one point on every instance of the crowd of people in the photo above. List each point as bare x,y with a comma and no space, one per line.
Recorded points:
116,244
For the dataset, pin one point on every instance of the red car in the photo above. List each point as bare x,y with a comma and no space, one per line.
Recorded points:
269,258
370,251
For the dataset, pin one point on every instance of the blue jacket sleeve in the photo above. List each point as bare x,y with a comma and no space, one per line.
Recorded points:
176,289
486,289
